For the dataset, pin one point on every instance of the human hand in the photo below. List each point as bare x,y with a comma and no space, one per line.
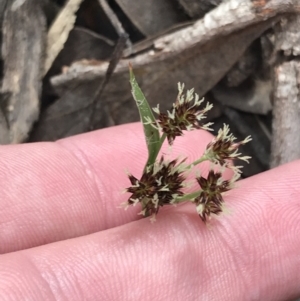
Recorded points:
63,236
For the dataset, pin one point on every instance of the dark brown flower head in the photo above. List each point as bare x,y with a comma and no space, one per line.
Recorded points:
206,209
223,147
185,116
210,199
159,185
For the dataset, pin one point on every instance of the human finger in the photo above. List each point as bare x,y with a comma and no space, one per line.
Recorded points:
55,191
250,254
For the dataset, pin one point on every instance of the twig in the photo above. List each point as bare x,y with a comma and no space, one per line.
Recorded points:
286,79
228,17
116,56
114,20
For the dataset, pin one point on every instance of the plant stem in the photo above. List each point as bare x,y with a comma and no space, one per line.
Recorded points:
161,142
162,139
200,160
188,197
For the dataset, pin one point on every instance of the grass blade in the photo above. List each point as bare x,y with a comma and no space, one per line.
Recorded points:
152,135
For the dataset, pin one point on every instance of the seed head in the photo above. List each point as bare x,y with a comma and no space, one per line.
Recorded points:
185,115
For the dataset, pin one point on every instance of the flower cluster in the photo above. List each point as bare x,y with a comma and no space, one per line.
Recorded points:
162,181
210,199
224,147
160,184
186,115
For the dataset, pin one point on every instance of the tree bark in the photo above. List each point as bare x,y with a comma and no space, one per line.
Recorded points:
286,78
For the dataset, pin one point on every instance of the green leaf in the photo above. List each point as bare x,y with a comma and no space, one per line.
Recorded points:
152,135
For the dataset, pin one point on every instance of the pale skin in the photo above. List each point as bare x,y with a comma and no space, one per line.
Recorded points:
63,236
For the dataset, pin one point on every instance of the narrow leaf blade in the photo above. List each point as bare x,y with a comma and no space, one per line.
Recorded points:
152,135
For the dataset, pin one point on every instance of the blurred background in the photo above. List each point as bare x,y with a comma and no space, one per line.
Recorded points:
64,67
